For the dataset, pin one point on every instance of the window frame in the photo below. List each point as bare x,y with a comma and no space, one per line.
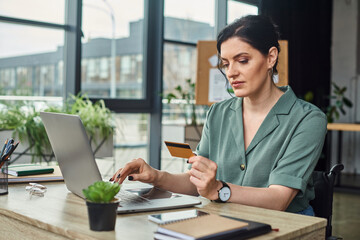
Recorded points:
152,62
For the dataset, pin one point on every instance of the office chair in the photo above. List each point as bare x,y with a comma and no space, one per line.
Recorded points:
324,189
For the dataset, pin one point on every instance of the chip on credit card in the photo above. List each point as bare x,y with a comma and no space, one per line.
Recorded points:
181,150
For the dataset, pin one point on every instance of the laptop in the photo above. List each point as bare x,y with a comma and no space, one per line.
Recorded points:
73,152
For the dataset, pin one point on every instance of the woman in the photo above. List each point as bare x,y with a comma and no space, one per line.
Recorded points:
258,148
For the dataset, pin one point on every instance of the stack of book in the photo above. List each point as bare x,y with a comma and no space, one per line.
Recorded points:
210,226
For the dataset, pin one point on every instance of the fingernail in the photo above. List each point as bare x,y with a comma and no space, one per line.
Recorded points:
131,178
110,179
118,176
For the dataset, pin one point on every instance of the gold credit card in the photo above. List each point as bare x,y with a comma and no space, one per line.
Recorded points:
181,150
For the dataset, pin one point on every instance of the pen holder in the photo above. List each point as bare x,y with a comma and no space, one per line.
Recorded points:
4,178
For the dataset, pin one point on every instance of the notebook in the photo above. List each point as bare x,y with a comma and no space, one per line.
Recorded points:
73,152
211,226
19,170
49,177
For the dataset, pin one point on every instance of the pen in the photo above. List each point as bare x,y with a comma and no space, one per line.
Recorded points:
13,147
9,151
1,164
10,142
2,151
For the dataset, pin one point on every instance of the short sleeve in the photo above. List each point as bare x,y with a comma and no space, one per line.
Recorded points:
298,162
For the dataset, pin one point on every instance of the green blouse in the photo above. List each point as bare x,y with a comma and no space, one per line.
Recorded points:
284,151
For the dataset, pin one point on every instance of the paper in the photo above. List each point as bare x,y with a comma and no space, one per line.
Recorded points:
217,86
213,60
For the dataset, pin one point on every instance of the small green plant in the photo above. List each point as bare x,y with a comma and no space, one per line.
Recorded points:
333,111
101,192
188,95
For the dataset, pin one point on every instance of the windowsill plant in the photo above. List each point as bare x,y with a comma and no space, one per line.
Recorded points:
24,120
187,95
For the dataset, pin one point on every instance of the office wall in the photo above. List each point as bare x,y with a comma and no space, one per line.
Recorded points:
344,62
306,24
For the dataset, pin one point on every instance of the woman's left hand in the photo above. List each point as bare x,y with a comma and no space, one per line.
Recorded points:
203,176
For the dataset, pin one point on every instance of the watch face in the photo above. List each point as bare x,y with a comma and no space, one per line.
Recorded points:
224,194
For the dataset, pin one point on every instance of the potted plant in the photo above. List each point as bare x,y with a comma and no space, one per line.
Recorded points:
102,205
193,129
333,111
24,122
97,120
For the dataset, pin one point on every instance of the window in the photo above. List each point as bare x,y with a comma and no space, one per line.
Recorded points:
37,10
131,137
30,60
179,65
36,60
112,42
238,9
184,26
184,22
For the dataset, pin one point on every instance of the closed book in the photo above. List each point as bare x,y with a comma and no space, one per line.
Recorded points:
204,227
19,170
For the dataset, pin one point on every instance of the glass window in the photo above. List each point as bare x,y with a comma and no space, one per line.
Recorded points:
37,10
104,68
112,49
131,138
179,65
31,60
184,22
238,9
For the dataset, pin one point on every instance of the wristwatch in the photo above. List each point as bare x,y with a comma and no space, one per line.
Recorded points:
224,193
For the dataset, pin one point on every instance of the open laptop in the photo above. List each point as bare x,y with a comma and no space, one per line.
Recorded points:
73,152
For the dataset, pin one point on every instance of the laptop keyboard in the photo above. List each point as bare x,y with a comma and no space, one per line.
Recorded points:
131,198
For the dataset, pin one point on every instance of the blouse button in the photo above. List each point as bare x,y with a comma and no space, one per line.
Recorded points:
242,167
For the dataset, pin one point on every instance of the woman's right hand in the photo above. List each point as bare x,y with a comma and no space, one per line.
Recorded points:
136,170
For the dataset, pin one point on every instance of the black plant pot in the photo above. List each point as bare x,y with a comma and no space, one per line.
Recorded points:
102,216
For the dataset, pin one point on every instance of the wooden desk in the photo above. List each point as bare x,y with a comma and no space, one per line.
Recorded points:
340,127
344,127
61,215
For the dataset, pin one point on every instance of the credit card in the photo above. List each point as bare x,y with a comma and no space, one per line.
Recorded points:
181,150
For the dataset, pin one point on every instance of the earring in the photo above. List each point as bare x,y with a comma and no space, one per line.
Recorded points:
271,71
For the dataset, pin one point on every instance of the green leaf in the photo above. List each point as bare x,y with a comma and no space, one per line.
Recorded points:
342,90
335,86
342,110
179,89
347,102
338,104
100,191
